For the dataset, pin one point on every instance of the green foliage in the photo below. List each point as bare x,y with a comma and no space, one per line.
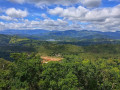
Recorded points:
72,73
15,39
95,67
24,72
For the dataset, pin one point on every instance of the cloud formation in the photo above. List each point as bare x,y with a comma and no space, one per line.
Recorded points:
91,3
7,18
83,14
39,3
47,24
16,13
100,18
48,2
61,15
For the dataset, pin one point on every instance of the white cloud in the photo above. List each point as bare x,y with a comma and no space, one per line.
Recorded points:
16,13
48,2
83,14
70,13
41,3
43,15
56,11
91,3
99,18
47,24
2,26
110,24
103,14
50,22
7,18
102,19
18,1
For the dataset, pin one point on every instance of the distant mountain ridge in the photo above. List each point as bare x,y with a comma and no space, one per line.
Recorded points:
23,32
40,34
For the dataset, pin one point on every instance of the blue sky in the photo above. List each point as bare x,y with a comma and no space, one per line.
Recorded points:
98,15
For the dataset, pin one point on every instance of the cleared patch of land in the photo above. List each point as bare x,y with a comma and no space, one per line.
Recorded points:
47,59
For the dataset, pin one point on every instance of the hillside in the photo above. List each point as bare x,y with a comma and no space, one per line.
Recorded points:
4,39
48,65
15,44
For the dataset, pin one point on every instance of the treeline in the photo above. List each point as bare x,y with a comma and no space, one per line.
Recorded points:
72,73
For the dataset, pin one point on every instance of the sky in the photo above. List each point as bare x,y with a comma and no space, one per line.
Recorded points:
97,15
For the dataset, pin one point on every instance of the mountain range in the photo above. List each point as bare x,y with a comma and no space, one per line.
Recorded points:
39,34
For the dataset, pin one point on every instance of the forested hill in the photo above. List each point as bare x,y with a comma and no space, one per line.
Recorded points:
81,68
15,44
4,39
10,39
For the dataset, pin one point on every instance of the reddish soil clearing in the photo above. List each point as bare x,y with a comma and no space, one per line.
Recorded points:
47,59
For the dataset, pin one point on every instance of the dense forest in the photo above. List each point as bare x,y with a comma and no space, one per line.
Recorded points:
82,66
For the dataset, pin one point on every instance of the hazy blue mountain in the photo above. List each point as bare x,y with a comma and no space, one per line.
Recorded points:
112,35
24,32
39,34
